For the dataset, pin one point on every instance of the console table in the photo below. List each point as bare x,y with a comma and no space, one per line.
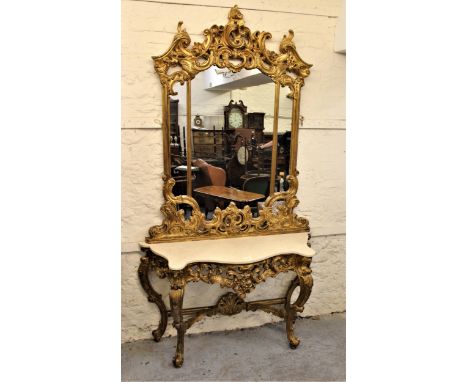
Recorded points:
236,248
238,263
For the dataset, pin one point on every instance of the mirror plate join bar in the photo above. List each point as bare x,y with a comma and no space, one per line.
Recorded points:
230,49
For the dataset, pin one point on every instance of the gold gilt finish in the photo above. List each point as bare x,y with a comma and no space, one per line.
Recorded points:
241,278
234,47
276,217
231,42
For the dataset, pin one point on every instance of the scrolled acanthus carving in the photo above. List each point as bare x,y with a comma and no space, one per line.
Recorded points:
234,47
241,278
277,216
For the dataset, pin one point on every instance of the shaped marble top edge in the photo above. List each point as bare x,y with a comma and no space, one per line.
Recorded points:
208,251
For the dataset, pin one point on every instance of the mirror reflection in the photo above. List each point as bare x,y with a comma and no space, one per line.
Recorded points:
231,124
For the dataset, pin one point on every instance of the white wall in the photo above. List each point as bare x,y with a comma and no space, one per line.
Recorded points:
210,104
261,98
147,29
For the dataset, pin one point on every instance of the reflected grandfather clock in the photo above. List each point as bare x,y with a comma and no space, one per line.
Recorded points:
235,115
241,130
238,122
235,123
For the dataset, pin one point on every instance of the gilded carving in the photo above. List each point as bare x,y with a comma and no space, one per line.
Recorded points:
241,278
230,304
277,216
235,47
146,264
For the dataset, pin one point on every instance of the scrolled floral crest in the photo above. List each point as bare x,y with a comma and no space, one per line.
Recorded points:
232,46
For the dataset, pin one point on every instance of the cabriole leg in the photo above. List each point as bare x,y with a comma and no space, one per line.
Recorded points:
153,296
305,283
290,316
176,297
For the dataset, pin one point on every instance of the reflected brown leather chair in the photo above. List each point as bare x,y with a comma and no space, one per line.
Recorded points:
210,176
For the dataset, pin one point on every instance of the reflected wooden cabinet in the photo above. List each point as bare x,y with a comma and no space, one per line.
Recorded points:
208,144
256,121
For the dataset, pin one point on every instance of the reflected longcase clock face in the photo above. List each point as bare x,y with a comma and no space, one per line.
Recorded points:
236,118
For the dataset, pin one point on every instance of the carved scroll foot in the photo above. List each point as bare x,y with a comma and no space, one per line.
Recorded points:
153,296
176,297
292,339
178,360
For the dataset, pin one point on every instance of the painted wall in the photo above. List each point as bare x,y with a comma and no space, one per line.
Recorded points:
262,99
209,104
147,29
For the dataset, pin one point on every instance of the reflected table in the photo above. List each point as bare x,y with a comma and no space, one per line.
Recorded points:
253,175
229,194
183,168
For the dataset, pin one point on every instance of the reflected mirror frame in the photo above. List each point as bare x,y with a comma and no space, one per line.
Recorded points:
234,47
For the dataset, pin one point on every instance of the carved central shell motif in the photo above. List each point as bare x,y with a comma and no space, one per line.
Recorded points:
230,304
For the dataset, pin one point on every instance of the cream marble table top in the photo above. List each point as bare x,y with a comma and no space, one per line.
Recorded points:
239,250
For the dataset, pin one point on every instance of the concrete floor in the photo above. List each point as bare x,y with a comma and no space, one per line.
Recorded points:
260,354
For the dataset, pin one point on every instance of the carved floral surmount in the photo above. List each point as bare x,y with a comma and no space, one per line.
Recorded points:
235,47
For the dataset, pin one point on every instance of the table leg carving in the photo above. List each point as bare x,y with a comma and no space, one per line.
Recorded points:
305,282
176,297
241,278
153,296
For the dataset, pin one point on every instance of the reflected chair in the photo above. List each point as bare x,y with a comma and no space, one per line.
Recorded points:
210,176
216,175
259,185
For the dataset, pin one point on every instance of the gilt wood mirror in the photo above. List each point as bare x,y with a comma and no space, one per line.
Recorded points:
230,134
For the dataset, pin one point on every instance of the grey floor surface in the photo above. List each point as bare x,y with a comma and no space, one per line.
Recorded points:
257,354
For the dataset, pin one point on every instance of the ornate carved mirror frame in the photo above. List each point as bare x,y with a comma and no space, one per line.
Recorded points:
234,47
